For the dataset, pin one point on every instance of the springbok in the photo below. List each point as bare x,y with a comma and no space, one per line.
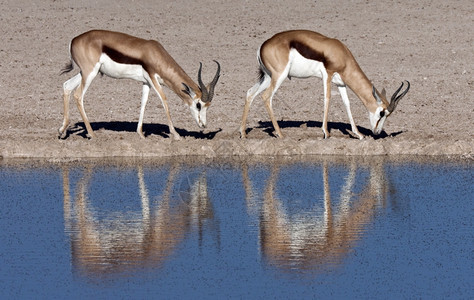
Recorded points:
318,236
303,54
120,55
122,241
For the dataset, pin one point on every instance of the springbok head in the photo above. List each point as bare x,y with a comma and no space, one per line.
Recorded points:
199,106
384,109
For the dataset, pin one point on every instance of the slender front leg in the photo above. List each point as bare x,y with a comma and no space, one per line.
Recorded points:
173,131
162,96
145,92
345,100
327,98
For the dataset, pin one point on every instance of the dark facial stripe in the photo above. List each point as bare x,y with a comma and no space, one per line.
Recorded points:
307,52
120,57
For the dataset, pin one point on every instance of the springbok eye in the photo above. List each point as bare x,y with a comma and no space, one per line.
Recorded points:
198,106
382,113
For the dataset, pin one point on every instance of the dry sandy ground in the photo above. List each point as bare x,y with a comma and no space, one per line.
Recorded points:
429,43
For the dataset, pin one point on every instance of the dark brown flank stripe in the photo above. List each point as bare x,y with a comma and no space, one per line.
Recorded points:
307,51
121,58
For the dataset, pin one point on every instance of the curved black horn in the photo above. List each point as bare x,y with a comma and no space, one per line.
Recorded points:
395,97
202,87
208,94
214,82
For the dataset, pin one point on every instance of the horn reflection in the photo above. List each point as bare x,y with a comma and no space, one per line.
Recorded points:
320,237
106,242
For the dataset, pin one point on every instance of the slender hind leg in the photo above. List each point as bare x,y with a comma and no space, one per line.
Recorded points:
79,97
268,99
68,86
251,94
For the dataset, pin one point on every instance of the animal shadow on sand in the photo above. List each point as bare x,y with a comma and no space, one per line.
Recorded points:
148,129
345,128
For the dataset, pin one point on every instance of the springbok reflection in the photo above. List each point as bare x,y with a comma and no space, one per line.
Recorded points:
120,242
318,238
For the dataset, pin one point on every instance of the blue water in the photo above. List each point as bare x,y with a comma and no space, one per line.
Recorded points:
373,228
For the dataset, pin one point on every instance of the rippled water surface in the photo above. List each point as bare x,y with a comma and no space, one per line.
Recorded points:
309,227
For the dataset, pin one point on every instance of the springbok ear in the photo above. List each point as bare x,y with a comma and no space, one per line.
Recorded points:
384,93
188,90
376,95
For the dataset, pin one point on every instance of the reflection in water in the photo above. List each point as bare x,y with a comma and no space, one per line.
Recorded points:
297,227
122,242
292,238
314,237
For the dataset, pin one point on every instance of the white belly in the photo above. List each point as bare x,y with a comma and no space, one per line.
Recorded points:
119,71
301,67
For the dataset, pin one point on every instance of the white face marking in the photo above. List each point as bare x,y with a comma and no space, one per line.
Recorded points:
119,71
198,111
376,122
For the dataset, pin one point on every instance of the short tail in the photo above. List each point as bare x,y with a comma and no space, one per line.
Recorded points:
262,70
67,68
